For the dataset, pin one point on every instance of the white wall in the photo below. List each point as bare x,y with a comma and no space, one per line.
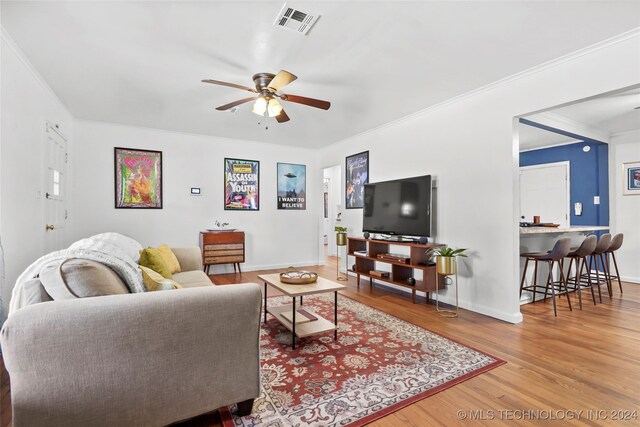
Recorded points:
274,238
468,145
625,210
26,104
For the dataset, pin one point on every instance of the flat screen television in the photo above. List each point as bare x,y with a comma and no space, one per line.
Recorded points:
400,207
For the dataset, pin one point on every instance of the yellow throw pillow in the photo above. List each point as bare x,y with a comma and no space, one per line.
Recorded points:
152,258
155,282
170,259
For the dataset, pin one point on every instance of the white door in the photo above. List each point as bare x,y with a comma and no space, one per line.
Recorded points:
55,180
544,192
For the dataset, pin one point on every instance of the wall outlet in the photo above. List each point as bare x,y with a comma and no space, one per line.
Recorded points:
596,200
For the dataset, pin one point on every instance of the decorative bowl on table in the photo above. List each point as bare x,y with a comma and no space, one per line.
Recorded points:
298,277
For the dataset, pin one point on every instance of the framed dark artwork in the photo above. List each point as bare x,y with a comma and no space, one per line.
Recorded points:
326,204
356,176
138,178
631,178
241,185
292,186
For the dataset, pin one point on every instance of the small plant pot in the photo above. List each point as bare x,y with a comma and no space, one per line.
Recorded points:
446,265
341,239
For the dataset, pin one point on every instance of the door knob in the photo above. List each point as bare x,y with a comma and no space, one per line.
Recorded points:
49,227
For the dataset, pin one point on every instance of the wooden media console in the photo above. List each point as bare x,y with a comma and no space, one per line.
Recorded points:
367,257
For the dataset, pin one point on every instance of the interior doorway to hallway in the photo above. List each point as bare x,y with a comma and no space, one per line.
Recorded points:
331,212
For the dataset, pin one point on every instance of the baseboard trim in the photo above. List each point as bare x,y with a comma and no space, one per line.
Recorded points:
228,268
485,311
634,280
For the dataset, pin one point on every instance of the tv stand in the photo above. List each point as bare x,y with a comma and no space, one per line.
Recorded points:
366,251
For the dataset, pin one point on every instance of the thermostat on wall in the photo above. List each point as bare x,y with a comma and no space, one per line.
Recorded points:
195,191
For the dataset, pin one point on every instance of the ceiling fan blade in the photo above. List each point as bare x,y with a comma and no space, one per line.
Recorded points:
217,82
318,103
281,79
235,103
282,117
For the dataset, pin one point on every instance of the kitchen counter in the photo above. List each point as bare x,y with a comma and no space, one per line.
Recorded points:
560,230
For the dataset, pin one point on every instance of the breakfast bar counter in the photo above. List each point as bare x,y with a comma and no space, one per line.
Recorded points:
524,231
542,239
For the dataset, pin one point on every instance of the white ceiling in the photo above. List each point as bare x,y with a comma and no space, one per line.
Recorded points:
531,137
610,113
140,63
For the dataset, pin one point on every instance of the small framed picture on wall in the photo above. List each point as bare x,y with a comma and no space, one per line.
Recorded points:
631,178
138,178
356,176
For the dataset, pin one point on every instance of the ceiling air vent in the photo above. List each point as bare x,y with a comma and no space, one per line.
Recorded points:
296,20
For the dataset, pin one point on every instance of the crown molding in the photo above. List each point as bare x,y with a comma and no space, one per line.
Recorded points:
564,123
202,136
29,66
557,144
625,133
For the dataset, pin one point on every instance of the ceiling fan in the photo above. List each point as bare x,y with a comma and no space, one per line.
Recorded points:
266,95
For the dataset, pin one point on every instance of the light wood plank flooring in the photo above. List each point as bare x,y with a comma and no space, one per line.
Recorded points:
580,361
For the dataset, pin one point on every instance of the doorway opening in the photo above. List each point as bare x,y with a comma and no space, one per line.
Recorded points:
331,213
587,135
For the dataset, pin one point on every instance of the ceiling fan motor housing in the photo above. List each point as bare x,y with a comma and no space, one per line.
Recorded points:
262,80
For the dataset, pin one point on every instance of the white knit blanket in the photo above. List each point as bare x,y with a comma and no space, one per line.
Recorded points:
119,252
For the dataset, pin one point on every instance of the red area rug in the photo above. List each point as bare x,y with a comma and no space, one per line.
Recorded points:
379,364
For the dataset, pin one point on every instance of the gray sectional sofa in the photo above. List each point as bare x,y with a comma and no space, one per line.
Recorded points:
135,359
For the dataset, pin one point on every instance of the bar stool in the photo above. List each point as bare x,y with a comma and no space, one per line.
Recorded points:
560,250
598,254
616,242
580,256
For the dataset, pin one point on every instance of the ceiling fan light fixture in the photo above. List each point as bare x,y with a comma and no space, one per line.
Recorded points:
266,97
274,107
260,106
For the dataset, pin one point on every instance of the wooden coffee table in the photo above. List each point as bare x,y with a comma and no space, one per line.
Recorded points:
308,328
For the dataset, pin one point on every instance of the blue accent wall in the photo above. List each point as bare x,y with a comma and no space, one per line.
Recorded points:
589,177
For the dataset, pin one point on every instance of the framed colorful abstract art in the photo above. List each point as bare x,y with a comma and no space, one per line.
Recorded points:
138,178
631,177
241,185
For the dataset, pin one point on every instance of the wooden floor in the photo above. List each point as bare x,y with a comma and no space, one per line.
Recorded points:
585,360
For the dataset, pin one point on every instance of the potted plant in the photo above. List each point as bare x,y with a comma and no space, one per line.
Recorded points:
446,259
341,235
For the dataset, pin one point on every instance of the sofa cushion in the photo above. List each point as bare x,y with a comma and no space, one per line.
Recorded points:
170,259
153,259
80,278
189,258
154,281
34,292
192,279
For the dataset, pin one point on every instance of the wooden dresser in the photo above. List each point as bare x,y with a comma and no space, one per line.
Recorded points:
222,247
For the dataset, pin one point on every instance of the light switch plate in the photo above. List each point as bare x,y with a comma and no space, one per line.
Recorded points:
577,208
596,200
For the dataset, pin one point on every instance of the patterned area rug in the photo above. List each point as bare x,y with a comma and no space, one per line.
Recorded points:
378,365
